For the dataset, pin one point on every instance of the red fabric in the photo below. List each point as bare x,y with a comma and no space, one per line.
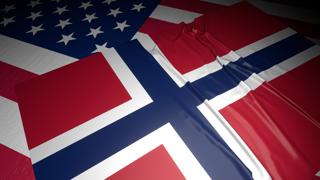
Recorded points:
237,29
305,28
149,25
69,96
156,165
9,77
279,120
14,165
280,123
302,87
191,46
188,48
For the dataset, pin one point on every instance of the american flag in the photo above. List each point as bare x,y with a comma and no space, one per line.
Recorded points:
141,106
74,28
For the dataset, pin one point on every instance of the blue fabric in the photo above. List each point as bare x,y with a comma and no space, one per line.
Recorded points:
83,45
231,75
171,104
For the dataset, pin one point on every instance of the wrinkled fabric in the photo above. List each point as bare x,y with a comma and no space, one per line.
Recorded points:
279,119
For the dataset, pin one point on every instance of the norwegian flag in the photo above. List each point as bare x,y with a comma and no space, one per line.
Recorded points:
245,64
147,125
79,117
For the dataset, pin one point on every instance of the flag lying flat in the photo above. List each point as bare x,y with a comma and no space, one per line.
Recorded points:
300,16
116,114
109,114
103,139
257,75
53,25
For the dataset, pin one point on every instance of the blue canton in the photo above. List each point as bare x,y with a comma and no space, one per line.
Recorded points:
74,28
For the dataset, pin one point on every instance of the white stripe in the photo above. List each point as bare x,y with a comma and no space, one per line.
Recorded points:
286,11
11,129
234,141
176,16
215,65
211,108
254,81
234,56
146,41
223,2
30,57
166,136
203,71
211,67
139,96
236,93
173,15
314,40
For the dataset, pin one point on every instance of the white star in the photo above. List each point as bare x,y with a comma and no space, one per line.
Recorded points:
85,5
33,15
6,21
89,18
138,7
63,23
108,1
95,32
114,12
35,29
66,38
121,26
100,48
8,8
60,10
33,3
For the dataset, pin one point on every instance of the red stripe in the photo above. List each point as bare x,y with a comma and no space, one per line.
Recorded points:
14,165
280,123
9,77
156,165
66,97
